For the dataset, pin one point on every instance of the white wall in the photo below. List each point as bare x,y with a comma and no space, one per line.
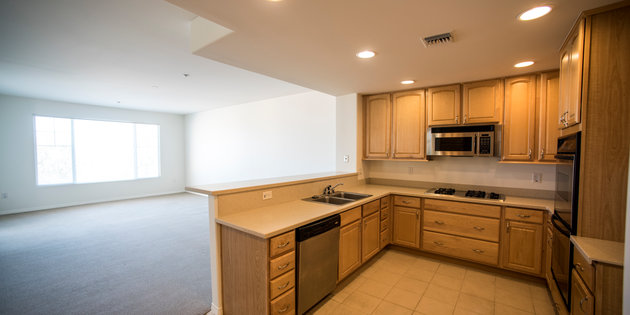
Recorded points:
479,171
282,136
346,121
17,156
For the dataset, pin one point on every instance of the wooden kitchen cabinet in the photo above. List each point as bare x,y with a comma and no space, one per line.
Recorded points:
582,300
408,135
370,244
571,63
522,246
443,105
377,126
482,102
519,122
349,249
406,227
547,117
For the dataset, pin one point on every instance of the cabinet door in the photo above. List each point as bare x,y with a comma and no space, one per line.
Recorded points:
370,236
518,128
571,59
349,248
482,102
409,125
443,105
582,301
522,246
377,126
547,112
406,227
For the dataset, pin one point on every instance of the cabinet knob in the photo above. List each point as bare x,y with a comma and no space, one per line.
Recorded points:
283,244
465,118
478,251
579,266
284,309
479,228
439,222
457,119
438,243
524,216
529,154
283,266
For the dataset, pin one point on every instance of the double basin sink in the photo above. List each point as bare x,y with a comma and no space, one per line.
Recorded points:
338,198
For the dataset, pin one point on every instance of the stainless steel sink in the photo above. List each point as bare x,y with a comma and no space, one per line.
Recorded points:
338,198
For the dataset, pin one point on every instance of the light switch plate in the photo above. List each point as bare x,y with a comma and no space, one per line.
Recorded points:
346,158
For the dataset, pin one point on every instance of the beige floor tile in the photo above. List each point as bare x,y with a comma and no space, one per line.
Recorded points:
442,294
384,276
543,307
512,285
451,270
412,285
374,288
430,306
362,302
419,274
394,267
479,288
447,282
324,307
478,275
388,308
521,301
346,310
540,292
426,264
403,298
501,309
467,302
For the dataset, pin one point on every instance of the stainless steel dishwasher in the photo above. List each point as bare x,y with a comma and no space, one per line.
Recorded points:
318,256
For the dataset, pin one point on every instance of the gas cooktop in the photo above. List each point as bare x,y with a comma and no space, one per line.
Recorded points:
467,194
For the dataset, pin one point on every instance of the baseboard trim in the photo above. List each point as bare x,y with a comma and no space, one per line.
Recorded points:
215,310
80,203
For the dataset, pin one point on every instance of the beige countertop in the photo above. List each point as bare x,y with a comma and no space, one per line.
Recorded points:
596,250
269,221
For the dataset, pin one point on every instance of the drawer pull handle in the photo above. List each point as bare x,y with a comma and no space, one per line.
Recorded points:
406,202
478,251
438,243
284,309
580,266
525,216
283,266
284,244
582,302
479,228
284,285
439,222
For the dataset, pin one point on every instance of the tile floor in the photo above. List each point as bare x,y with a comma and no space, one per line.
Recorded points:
397,282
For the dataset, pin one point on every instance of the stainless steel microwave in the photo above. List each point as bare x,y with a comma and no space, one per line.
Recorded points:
464,141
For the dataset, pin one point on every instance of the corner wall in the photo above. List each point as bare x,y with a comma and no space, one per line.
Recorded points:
17,156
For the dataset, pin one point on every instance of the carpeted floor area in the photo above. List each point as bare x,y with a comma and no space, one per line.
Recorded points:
140,256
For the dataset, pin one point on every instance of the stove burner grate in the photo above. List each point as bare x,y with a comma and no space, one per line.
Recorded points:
445,191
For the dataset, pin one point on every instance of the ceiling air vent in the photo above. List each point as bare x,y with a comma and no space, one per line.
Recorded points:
437,39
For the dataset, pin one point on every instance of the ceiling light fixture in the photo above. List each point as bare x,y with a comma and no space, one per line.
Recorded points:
366,54
534,13
408,82
523,64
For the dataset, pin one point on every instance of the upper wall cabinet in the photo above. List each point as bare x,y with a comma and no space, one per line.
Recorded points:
443,105
377,126
571,60
547,112
519,124
395,126
409,125
482,102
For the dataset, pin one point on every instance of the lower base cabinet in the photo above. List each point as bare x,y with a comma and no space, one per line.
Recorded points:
582,301
406,227
462,247
370,244
349,248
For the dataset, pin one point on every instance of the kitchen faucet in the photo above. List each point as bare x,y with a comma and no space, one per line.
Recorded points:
329,190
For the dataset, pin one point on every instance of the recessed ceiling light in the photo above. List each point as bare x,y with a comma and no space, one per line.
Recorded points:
366,54
408,82
523,64
534,13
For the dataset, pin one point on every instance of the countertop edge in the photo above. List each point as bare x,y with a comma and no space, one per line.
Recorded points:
579,244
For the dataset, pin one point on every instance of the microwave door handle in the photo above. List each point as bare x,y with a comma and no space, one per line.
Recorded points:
475,145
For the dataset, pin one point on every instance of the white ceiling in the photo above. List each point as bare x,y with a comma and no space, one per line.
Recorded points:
100,52
313,43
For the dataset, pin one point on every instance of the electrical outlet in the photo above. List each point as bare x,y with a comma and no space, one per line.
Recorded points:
267,195
346,158
537,177
5,195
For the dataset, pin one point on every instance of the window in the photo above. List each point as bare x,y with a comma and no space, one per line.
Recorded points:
77,151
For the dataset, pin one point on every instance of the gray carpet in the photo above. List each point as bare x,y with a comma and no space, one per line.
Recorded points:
140,256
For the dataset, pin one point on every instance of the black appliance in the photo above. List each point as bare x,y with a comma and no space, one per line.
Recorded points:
564,218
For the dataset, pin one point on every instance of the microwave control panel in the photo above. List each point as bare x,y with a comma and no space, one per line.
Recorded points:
485,145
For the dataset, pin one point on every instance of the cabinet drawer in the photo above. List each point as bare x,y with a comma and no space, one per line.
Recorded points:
384,238
525,215
371,207
463,208
404,201
284,304
281,284
463,225
384,214
384,202
350,215
281,264
384,224
282,244
582,300
481,251
586,270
